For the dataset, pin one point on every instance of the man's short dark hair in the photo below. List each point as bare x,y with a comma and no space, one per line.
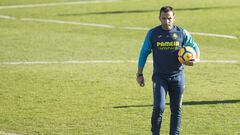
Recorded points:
166,9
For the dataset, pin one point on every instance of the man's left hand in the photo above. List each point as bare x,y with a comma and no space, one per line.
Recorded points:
190,63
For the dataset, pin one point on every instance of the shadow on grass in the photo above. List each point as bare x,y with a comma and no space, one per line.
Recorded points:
187,103
145,11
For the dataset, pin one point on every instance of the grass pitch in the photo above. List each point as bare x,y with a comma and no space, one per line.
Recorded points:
104,98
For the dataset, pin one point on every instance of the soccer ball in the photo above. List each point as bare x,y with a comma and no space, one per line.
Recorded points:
186,54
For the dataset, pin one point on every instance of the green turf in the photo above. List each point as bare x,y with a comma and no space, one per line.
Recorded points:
87,99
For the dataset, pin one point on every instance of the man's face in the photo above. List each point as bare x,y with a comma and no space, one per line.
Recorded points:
167,20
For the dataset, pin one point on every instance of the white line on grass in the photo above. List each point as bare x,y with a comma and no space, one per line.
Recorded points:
99,62
56,4
109,26
213,35
7,17
220,61
67,22
135,28
4,133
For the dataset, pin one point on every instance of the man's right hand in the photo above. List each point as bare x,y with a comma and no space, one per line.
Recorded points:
140,80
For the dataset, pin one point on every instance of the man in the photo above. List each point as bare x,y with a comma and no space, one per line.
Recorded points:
164,41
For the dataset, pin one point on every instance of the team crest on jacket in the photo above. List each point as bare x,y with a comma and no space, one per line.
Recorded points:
174,36
159,36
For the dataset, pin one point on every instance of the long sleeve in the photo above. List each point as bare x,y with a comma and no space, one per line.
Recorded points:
145,50
188,41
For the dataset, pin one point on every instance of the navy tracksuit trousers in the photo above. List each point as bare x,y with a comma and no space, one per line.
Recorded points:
174,86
